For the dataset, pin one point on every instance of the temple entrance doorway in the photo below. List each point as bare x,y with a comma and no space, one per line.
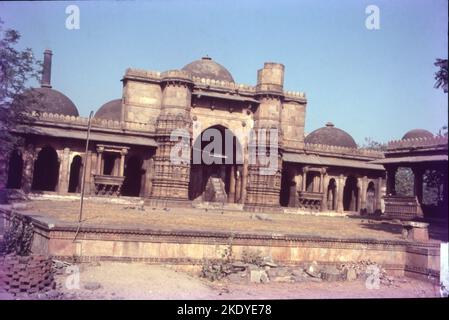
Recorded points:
216,166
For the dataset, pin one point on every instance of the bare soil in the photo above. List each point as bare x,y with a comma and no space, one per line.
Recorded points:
118,280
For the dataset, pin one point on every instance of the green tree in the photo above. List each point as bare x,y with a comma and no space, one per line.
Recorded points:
17,67
441,74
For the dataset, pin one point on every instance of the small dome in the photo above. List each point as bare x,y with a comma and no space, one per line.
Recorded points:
417,133
50,100
207,68
329,135
111,110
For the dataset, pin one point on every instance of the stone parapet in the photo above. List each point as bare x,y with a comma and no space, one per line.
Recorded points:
434,142
344,150
96,122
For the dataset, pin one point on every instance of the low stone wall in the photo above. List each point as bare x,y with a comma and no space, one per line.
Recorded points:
27,274
190,248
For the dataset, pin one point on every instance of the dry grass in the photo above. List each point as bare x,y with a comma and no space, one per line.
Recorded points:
117,215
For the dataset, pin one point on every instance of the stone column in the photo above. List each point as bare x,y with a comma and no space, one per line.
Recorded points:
340,186
64,169
391,180
418,183
244,180
359,194
380,192
321,182
304,178
364,187
231,196
100,160
28,167
323,188
123,153
87,165
238,185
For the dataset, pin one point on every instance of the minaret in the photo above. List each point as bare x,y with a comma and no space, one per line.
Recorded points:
263,189
46,71
171,180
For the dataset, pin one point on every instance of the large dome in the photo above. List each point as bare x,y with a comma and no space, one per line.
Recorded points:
417,133
49,100
329,135
111,110
207,68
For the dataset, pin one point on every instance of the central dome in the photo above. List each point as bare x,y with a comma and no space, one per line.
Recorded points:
331,136
207,68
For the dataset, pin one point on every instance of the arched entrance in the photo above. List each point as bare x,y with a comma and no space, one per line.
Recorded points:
133,177
288,187
216,156
46,170
350,194
370,198
75,174
15,170
332,195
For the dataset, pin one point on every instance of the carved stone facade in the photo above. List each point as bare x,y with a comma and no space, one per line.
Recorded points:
162,115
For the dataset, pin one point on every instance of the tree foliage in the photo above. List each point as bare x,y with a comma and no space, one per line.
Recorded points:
441,74
17,67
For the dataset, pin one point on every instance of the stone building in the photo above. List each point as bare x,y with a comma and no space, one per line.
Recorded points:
131,145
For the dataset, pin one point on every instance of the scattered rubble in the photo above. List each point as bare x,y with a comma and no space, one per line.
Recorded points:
267,271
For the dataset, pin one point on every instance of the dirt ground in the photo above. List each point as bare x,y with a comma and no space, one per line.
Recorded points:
116,280
133,216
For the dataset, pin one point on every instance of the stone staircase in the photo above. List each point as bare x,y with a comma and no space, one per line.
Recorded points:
215,191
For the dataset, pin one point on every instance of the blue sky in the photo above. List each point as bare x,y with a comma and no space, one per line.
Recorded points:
371,83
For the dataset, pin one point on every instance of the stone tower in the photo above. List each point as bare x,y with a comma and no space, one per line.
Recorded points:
263,189
171,180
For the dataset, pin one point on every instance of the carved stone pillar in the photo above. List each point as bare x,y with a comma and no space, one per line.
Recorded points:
304,178
123,153
238,185
364,187
64,169
100,160
87,165
244,180
391,180
231,196
340,186
418,183
359,194
28,167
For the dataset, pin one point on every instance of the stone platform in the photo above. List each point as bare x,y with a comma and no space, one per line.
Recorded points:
186,238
